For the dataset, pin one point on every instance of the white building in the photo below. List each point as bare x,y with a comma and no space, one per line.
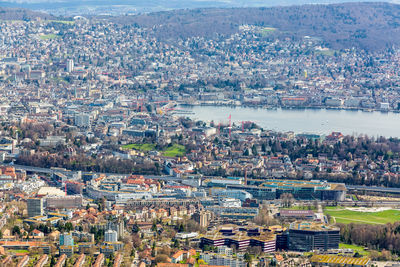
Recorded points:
111,236
230,203
70,65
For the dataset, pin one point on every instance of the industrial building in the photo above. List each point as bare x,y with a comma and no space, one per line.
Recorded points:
300,189
35,207
334,260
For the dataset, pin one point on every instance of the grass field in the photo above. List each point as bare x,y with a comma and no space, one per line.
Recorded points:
267,30
18,251
329,52
48,36
140,147
356,248
174,151
343,215
70,22
300,208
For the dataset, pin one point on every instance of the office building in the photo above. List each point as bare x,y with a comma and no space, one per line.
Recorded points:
241,237
70,65
303,190
66,240
110,236
309,236
35,207
82,120
64,202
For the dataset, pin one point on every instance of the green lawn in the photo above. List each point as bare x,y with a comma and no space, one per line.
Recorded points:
174,151
267,30
70,22
329,52
356,248
140,147
18,251
300,208
48,36
342,215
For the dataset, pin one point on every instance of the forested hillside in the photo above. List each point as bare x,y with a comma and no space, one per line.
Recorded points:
21,14
369,26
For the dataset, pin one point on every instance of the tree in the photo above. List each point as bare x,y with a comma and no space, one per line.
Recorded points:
136,241
16,230
52,261
154,226
176,244
287,200
161,258
135,228
247,258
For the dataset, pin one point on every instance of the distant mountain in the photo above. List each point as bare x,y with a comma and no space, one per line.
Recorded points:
117,7
22,14
370,26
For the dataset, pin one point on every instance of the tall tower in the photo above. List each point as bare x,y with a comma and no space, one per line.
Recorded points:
70,65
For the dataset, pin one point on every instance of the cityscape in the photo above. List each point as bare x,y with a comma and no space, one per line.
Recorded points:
104,161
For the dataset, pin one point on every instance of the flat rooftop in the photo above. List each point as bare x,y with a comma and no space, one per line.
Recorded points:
312,226
340,260
238,234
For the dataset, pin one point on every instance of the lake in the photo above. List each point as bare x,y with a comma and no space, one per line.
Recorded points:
317,121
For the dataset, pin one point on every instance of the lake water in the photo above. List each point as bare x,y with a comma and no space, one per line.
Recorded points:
317,121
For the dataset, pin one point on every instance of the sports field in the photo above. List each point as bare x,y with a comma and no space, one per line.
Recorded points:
343,215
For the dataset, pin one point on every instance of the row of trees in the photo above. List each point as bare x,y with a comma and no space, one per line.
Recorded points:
84,163
376,237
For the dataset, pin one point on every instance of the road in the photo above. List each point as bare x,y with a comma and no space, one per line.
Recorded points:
68,172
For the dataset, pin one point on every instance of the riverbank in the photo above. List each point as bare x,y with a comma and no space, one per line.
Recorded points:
223,104
303,120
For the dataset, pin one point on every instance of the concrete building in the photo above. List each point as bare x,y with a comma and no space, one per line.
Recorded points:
82,120
110,236
64,202
35,207
241,237
66,240
308,236
70,65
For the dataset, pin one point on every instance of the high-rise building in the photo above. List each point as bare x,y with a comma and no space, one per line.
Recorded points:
66,240
35,207
203,218
111,236
118,226
82,120
70,65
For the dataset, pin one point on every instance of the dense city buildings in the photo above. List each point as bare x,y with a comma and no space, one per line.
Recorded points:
101,165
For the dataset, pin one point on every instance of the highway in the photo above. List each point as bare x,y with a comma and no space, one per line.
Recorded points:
68,172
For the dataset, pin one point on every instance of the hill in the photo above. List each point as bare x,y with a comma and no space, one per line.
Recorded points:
22,14
370,26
